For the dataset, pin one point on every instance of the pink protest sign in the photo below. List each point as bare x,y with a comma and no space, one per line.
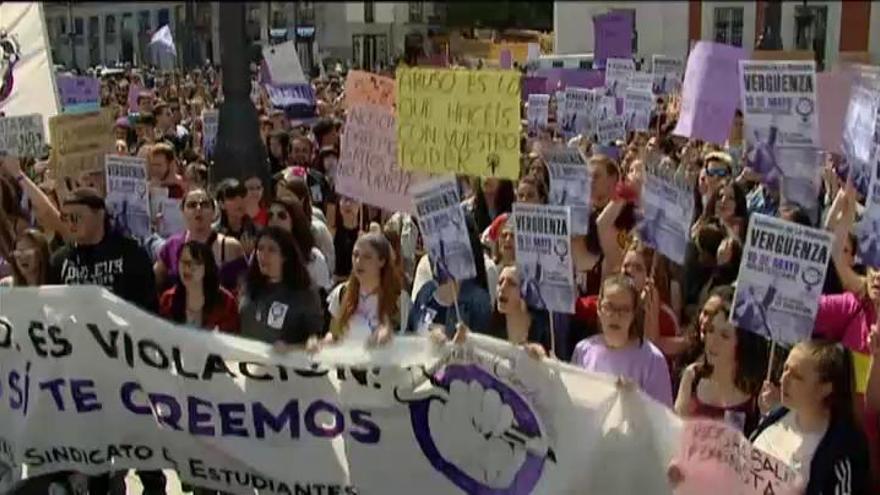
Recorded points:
710,92
833,98
715,455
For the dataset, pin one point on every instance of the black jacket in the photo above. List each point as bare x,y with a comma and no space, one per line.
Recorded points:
841,464
117,263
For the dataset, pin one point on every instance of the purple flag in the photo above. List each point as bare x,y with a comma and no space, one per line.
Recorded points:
533,85
710,93
612,37
506,61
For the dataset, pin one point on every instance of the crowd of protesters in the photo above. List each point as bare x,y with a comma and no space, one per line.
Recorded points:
295,265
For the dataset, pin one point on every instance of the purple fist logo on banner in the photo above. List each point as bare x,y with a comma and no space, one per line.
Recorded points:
10,54
480,433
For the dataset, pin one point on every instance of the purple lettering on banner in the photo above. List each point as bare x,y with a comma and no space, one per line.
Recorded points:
612,36
298,100
559,79
534,86
710,93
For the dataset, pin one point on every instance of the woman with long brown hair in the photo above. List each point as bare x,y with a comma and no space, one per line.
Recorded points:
30,260
367,306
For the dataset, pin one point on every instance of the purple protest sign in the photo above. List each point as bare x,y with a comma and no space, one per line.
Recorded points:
710,93
79,94
533,85
559,79
612,37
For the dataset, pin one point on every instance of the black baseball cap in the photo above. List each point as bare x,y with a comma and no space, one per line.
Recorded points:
86,196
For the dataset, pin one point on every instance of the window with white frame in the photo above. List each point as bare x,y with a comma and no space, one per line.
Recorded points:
728,24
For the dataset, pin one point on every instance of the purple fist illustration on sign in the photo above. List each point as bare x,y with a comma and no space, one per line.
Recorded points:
480,433
10,54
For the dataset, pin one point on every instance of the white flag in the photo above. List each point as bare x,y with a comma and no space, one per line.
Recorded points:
27,82
162,38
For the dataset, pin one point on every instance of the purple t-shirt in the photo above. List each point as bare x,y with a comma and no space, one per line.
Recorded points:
230,271
644,365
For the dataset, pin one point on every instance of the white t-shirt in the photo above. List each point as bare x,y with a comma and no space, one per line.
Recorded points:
365,318
789,443
324,242
318,269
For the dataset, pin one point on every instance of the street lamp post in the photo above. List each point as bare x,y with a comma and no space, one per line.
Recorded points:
239,153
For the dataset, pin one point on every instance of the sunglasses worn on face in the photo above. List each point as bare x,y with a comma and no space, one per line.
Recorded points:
716,172
204,204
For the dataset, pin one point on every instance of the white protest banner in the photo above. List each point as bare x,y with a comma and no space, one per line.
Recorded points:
96,384
667,212
543,256
210,124
537,112
570,184
667,73
443,227
128,204
780,279
168,211
22,136
860,131
641,81
368,169
714,457
610,130
617,74
781,118
637,109
291,95
27,76
283,64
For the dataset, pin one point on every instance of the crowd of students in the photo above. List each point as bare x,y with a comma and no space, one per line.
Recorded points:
293,264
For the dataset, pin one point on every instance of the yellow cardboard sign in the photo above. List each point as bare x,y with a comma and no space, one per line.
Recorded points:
459,121
80,141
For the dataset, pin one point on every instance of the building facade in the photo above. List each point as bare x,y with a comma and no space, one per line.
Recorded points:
833,30
368,34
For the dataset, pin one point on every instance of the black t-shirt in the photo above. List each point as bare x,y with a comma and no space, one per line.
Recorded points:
117,263
320,190
343,243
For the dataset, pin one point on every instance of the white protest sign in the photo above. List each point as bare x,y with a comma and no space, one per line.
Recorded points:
641,81
283,64
22,136
637,109
128,203
667,212
868,229
168,210
578,105
538,112
716,458
780,117
210,124
368,169
610,130
98,385
605,108
617,74
780,279
861,129
668,72
570,184
443,227
561,109
543,256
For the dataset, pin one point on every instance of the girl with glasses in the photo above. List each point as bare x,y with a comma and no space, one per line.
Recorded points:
198,213
621,349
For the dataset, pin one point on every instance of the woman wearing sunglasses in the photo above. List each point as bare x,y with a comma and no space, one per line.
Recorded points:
289,214
716,170
198,213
